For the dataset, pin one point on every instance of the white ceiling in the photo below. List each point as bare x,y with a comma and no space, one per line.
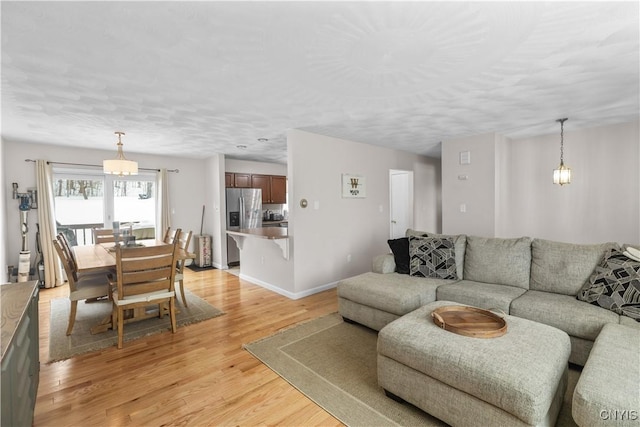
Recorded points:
197,78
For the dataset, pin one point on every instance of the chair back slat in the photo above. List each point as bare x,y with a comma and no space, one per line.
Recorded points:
156,274
147,263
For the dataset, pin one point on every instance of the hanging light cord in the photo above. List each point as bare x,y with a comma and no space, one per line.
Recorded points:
561,140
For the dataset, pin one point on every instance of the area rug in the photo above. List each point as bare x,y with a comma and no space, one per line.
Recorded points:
88,315
334,364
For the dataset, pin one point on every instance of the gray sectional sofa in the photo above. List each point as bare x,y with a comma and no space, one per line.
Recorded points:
534,279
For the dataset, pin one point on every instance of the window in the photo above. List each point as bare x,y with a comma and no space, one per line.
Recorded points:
84,201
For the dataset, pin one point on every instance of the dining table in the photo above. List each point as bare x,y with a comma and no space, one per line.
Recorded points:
102,257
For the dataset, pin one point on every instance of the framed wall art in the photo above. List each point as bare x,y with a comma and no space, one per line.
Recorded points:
353,186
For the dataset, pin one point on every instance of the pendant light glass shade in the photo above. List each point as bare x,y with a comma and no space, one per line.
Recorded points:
562,175
120,165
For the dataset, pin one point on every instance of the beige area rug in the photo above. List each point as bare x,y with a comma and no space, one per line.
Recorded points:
88,315
334,364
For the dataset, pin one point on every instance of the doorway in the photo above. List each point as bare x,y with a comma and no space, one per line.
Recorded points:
401,202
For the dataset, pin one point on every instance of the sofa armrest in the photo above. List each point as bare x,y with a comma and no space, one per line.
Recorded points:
384,264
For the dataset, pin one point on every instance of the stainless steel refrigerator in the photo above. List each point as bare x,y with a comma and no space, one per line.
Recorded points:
244,210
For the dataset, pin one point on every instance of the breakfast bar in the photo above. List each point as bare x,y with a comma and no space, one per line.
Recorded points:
278,235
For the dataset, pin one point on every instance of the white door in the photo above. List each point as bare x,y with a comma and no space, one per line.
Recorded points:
401,200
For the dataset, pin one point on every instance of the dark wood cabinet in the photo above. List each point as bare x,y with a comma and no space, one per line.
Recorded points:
278,189
242,180
262,182
274,188
237,180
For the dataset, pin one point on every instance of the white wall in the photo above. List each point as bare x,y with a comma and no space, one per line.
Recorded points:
214,223
510,192
323,238
477,192
187,188
263,168
3,218
602,203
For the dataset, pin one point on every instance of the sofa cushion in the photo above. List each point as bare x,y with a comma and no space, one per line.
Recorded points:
477,294
615,285
577,318
459,240
499,261
432,257
394,293
563,268
400,249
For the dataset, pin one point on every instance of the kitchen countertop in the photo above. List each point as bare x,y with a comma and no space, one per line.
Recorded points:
273,233
268,221
14,299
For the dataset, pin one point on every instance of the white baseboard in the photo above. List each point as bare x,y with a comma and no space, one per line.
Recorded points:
284,292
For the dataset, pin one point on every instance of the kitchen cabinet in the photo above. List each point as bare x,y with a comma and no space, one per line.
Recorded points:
262,182
20,372
278,189
274,188
237,180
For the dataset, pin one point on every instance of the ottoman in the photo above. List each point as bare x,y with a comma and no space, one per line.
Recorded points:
608,390
516,379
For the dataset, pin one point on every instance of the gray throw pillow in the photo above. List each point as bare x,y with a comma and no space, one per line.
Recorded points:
615,285
432,257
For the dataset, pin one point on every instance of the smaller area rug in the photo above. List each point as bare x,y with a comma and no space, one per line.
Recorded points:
88,315
334,364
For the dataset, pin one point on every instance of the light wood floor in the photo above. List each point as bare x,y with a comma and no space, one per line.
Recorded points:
197,376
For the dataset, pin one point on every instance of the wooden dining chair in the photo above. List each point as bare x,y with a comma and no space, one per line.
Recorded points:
168,236
66,247
80,287
183,243
103,235
144,276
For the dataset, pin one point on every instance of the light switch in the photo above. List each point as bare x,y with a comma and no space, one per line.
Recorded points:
463,207
465,157
316,204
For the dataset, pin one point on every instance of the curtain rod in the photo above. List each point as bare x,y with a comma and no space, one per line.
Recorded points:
98,166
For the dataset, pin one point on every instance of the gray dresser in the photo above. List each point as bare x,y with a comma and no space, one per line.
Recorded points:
20,353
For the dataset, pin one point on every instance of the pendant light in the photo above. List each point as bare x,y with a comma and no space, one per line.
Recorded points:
562,175
120,165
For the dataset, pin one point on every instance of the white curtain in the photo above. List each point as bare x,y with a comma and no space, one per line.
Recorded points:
163,209
46,219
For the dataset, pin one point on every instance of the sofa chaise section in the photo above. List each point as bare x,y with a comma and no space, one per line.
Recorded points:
374,299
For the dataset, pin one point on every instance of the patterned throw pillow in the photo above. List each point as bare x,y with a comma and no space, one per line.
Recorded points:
615,285
432,257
